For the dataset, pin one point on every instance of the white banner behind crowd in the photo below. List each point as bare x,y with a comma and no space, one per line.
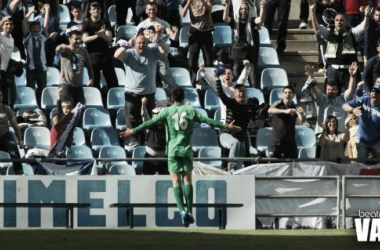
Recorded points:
302,187
101,191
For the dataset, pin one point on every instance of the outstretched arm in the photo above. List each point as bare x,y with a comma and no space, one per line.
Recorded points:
129,131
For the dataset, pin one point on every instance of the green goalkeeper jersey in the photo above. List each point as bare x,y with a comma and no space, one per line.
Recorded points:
180,121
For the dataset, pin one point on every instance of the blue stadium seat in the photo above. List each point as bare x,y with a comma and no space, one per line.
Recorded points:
126,32
16,55
277,94
101,137
160,95
115,98
28,170
120,74
268,58
263,138
124,169
217,115
254,92
92,97
203,113
204,137
26,98
211,152
21,81
79,152
191,96
222,36
112,152
209,73
212,102
49,98
185,21
96,117
64,15
52,113
5,155
181,76
120,120
37,137
307,153
273,78
184,36
138,152
52,77
79,138
112,15
305,137
85,77
264,37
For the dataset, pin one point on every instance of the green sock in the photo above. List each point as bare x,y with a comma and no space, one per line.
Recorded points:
188,191
178,195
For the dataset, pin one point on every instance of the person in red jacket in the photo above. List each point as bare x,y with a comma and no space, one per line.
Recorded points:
353,11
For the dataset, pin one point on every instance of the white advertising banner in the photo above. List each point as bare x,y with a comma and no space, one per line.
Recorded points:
101,191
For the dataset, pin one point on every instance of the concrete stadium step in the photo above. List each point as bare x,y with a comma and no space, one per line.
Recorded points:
298,45
297,35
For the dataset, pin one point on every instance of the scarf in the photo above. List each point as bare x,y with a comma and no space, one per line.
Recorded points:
348,46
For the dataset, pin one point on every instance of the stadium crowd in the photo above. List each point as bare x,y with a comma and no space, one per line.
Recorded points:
123,58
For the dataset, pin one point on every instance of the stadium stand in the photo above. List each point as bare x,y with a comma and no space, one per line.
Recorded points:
37,137
204,137
101,137
96,117
181,76
26,98
21,80
138,152
49,98
79,152
273,78
120,120
115,98
52,77
211,152
124,169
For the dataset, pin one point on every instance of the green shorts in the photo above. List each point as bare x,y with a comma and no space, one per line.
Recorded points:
180,164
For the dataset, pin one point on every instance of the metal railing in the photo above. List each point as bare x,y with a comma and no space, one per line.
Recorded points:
272,197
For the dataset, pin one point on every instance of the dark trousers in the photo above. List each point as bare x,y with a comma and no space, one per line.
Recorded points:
9,145
72,94
105,63
200,41
304,10
283,9
8,88
151,167
133,109
122,10
38,77
284,151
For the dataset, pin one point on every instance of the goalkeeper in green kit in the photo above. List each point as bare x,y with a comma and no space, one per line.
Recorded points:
180,120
